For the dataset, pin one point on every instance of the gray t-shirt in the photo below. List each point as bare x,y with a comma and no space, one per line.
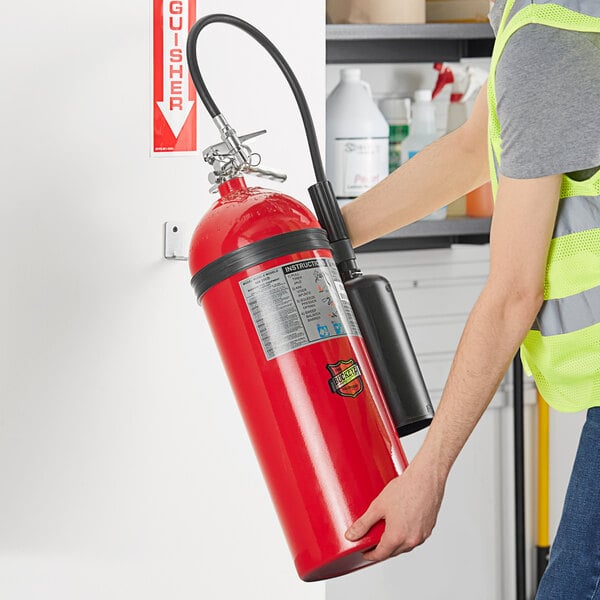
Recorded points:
548,101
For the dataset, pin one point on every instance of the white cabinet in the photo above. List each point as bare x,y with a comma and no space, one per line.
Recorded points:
471,552
436,290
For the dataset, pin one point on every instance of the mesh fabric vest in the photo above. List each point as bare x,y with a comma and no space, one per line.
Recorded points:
562,350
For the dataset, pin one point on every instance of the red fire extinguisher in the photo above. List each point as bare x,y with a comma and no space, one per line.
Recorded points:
288,309
264,273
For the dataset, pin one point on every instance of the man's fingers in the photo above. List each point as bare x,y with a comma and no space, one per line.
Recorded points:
392,546
360,527
382,551
408,505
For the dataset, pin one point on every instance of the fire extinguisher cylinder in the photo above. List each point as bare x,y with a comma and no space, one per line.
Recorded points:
300,371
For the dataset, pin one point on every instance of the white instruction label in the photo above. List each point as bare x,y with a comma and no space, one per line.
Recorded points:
360,164
298,304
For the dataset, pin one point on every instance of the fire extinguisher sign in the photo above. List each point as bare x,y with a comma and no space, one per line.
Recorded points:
174,98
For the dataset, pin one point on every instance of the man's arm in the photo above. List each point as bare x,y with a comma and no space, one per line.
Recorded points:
522,228
442,172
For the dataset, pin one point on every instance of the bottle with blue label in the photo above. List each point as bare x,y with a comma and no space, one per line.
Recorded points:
422,132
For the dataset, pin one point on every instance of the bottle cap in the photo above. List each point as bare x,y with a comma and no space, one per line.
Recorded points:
395,110
423,96
350,74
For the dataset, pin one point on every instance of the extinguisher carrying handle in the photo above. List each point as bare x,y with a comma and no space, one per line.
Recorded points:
329,216
391,352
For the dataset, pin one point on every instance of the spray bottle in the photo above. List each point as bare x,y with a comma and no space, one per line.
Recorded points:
466,81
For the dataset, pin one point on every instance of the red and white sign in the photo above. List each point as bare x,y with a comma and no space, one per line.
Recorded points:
174,97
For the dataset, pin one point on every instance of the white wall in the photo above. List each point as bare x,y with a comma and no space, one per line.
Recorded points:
125,471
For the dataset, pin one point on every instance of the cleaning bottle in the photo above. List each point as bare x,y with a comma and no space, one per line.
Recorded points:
466,82
422,132
357,138
397,113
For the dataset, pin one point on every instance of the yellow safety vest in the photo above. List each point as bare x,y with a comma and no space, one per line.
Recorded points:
562,350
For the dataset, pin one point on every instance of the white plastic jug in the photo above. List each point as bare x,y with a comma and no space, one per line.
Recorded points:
357,138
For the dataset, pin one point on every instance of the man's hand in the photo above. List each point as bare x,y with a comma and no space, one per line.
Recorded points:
409,504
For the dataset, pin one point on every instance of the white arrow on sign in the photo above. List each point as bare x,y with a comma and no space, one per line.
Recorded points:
175,106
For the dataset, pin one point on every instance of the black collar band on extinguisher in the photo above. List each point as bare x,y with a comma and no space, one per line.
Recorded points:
256,253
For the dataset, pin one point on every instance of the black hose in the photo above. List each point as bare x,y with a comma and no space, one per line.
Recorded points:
321,193
212,108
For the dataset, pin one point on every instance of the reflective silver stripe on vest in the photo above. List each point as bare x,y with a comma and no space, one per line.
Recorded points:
565,315
577,214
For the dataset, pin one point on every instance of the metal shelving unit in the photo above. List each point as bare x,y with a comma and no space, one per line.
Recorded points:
430,42
433,234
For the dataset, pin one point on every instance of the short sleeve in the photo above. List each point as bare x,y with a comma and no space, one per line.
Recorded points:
548,102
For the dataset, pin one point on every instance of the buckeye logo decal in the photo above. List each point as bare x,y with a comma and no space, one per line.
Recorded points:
346,378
